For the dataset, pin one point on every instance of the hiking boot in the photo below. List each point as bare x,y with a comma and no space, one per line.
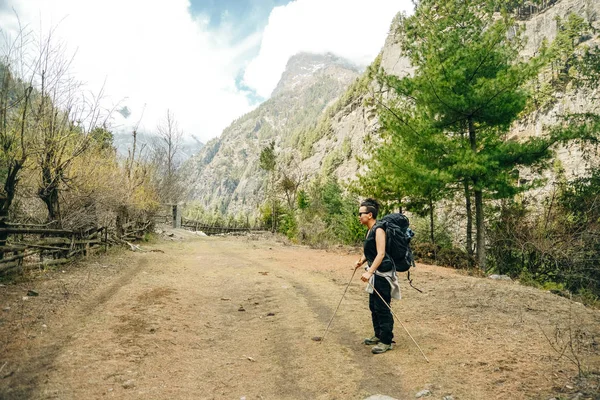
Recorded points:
381,348
371,341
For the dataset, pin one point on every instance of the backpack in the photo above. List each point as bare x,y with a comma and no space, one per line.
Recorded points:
397,246
398,236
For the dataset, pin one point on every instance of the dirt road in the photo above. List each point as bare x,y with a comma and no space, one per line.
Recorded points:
232,318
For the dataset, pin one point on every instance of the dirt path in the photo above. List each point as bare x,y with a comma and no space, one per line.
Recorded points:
227,318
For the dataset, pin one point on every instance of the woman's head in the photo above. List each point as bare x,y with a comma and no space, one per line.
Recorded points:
369,208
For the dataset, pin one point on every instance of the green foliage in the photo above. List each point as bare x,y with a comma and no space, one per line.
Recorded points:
569,62
268,158
347,148
332,161
329,215
267,210
565,61
288,224
302,200
102,137
446,129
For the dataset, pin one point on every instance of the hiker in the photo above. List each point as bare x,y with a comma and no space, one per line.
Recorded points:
381,275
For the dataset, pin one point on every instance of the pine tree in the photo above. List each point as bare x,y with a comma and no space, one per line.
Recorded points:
454,112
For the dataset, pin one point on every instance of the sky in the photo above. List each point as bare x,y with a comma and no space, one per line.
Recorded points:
207,61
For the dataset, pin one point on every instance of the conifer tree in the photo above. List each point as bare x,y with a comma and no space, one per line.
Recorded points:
448,128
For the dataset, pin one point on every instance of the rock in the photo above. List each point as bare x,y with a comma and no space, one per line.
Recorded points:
447,398
130,384
6,309
271,314
241,308
380,397
44,326
25,298
500,277
423,393
32,293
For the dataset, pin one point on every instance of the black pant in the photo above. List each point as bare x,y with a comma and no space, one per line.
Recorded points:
383,321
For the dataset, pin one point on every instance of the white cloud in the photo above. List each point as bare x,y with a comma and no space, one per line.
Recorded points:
353,29
153,56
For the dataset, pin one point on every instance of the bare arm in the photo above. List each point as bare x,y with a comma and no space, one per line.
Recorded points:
380,243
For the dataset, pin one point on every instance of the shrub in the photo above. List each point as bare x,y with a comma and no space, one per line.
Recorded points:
431,253
557,245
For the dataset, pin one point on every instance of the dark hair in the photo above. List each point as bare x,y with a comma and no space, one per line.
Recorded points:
372,206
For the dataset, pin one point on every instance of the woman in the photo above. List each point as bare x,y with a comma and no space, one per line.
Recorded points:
380,275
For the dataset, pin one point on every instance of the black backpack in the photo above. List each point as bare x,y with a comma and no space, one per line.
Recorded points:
397,247
398,237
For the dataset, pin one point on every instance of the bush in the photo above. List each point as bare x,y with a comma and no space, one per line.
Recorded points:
431,253
555,246
425,252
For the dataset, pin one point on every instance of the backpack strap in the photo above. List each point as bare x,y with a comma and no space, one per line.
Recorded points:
410,282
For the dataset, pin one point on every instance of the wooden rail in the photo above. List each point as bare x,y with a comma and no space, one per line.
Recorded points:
29,246
211,229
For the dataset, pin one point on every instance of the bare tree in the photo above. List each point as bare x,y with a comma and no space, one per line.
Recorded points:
291,178
62,119
15,107
166,150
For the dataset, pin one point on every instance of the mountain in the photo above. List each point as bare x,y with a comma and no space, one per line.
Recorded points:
189,146
225,174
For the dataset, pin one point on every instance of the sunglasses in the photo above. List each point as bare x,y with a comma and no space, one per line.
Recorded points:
363,212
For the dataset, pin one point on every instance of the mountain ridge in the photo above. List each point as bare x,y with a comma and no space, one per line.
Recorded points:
225,174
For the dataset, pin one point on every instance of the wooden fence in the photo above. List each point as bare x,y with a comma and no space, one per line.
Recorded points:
213,229
30,246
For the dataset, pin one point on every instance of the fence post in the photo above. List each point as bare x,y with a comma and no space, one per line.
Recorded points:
176,216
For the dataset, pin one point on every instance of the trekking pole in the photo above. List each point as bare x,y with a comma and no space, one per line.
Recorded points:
321,338
398,319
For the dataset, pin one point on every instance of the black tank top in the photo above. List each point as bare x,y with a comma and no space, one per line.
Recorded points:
370,250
